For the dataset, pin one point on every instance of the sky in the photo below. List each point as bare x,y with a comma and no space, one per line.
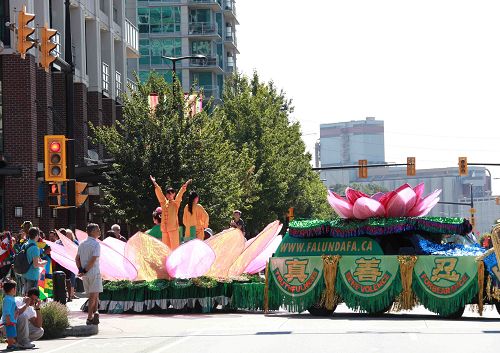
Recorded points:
429,69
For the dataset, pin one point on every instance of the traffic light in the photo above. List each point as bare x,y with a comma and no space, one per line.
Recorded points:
80,198
363,170
46,46
55,157
24,42
290,214
472,217
410,166
55,194
463,169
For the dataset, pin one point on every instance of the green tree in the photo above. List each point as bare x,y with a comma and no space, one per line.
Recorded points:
172,146
370,188
258,120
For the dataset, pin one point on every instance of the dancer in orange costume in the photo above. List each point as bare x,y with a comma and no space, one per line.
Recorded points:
195,216
170,210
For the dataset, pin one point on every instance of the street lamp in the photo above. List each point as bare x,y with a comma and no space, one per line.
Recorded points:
175,59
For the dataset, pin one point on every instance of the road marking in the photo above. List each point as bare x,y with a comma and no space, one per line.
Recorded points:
179,341
68,345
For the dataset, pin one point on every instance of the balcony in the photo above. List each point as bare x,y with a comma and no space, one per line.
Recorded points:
118,85
215,5
230,40
132,40
230,67
209,92
203,29
131,85
105,77
209,62
230,10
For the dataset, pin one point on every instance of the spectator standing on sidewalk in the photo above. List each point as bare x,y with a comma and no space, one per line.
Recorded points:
29,321
116,230
87,261
33,255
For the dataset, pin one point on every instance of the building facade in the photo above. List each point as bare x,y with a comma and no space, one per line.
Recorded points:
189,27
33,102
345,143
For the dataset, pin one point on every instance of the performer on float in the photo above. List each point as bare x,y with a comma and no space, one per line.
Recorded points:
170,210
195,216
155,232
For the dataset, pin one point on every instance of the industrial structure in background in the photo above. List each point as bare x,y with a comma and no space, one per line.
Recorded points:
361,143
189,28
35,99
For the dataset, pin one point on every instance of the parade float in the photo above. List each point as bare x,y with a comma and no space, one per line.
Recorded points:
381,255
144,275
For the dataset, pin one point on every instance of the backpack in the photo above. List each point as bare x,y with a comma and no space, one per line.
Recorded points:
21,263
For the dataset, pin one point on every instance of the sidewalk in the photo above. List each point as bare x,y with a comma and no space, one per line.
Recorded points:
77,320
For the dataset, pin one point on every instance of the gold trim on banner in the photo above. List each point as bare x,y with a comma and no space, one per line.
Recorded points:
492,292
406,300
266,290
480,278
330,264
495,237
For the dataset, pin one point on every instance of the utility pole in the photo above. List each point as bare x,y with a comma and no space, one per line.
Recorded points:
70,127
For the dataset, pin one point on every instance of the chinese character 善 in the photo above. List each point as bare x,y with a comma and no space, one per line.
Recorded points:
368,269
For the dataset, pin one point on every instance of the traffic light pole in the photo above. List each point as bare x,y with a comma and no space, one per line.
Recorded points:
70,127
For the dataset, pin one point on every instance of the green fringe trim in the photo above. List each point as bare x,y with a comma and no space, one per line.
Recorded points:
248,296
344,228
372,304
291,302
445,306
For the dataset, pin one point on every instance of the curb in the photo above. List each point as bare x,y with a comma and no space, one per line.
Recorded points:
81,331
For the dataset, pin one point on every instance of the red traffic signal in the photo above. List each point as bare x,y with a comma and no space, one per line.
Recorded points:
55,157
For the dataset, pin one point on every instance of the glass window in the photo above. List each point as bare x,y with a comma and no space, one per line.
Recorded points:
165,19
200,15
203,78
4,17
201,47
155,20
1,116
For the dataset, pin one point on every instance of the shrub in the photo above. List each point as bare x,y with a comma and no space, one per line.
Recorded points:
55,319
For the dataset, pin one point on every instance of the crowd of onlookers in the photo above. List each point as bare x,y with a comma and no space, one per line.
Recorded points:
26,269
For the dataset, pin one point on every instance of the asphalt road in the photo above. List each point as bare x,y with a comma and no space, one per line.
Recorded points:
344,332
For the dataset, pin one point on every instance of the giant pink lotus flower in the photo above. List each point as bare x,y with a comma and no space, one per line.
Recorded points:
405,201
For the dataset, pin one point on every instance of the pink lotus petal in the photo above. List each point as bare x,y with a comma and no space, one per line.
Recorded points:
402,202
377,196
249,242
259,263
340,205
365,207
116,245
59,254
80,235
71,248
250,253
419,190
422,205
149,255
190,260
387,196
429,208
228,246
352,195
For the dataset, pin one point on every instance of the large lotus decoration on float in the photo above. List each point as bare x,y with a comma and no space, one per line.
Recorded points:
405,201
142,257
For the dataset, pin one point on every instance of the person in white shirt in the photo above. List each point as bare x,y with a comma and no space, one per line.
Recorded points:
29,323
87,260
